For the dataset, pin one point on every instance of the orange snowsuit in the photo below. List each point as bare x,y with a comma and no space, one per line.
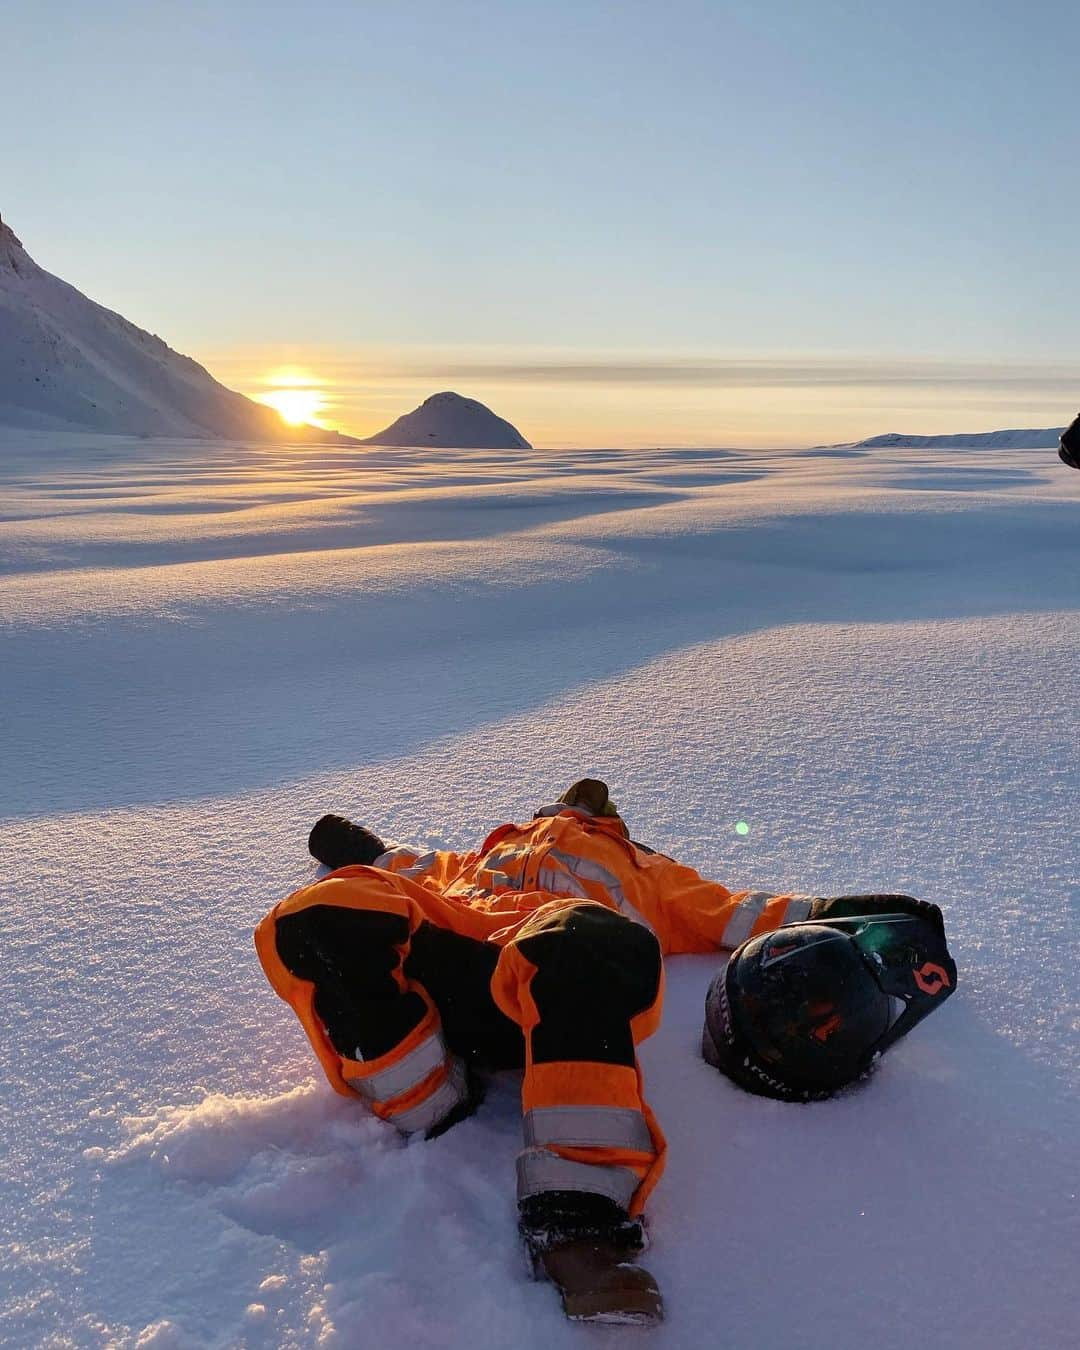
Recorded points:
549,895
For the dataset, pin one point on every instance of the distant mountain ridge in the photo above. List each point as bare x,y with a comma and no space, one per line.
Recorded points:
450,421
1044,437
69,364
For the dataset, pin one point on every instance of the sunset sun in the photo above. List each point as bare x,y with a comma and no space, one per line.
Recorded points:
295,404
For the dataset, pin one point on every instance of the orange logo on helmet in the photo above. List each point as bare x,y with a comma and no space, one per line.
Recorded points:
931,979
824,1030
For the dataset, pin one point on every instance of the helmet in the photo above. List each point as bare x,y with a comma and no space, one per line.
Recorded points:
802,1011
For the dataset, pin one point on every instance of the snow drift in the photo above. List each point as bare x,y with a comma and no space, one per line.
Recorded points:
448,420
67,363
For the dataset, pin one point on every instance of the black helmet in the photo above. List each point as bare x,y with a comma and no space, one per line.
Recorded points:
800,1012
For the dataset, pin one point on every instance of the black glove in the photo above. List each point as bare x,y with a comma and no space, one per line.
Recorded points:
337,842
1070,444
854,906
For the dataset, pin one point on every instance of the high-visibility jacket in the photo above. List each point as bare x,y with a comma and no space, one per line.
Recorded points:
566,852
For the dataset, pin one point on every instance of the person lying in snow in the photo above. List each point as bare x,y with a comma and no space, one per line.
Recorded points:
544,951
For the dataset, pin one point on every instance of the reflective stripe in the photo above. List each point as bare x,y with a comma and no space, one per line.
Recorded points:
602,1126
431,1110
399,853
556,880
503,868
539,1171
596,872
506,859
421,865
797,909
742,921
405,1074
590,871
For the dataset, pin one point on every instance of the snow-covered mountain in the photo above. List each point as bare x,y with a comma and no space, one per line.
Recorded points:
967,440
67,363
448,420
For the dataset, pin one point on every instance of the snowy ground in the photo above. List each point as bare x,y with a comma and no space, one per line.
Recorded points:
871,657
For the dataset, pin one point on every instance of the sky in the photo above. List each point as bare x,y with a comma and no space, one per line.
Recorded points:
781,222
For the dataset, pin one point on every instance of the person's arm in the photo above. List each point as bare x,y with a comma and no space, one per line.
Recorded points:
697,915
337,842
436,867
855,906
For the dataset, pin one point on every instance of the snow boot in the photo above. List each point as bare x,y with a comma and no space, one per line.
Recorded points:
587,1247
598,1282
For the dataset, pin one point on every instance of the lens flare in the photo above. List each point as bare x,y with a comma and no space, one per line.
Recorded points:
741,827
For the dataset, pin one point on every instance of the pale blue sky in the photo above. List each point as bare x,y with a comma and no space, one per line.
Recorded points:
395,190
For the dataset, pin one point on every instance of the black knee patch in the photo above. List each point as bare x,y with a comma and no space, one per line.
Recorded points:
350,956
595,971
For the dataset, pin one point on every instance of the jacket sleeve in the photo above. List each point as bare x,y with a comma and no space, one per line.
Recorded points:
696,915
437,867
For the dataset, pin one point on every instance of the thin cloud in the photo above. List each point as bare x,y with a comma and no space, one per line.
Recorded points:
751,374
373,373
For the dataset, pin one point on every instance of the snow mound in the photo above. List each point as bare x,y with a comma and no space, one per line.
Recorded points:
276,1162
68,363
217,1139
164,1335
1038,439
447,419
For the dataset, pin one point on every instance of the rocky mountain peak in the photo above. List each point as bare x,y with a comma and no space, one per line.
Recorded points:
11,249
451,420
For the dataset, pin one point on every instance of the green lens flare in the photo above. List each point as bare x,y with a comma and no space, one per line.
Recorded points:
741,827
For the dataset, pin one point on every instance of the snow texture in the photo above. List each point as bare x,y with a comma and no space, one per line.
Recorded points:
447,420
68,363
872,660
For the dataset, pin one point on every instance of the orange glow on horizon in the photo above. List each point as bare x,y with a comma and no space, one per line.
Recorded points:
295,396
566,398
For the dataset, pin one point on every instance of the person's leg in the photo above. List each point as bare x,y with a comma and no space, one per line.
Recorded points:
456,971
585,985
336,951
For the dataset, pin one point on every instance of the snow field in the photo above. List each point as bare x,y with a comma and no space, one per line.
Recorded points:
877,675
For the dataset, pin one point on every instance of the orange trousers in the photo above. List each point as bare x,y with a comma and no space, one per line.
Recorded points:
399,1009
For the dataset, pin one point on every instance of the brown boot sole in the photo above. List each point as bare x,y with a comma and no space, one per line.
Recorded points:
598,1283
640,1309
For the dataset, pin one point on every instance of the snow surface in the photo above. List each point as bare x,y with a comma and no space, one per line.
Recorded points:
871,659
446,420
67,363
